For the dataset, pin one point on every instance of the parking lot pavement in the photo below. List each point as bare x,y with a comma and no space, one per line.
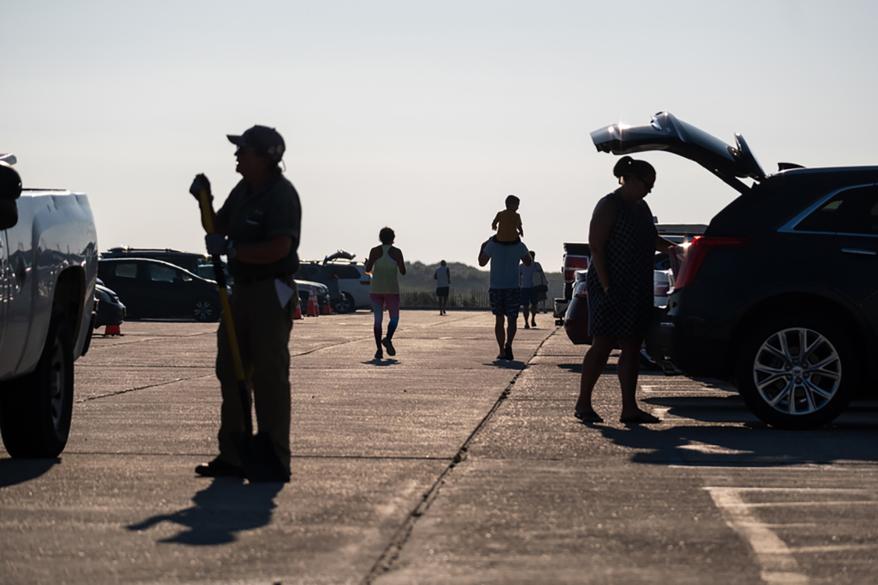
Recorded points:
439,466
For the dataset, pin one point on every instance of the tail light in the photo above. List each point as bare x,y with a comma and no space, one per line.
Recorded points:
697,252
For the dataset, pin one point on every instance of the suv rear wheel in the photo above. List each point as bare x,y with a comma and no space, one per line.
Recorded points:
344,304
35,410
797,372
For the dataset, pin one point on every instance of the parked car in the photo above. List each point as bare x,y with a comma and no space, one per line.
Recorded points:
576,316
191,261
308,288
576,257
348,283
157,289
48,265
779,294
110,309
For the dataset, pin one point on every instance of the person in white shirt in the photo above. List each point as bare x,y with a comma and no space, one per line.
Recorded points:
442,276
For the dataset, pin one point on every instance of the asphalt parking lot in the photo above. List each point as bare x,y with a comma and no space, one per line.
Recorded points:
441,466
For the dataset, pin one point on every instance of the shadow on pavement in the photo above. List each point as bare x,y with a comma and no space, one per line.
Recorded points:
219,511
15,471
507,365
738,446
381,363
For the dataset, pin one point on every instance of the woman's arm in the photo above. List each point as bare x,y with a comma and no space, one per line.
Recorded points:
598,235
663,245
396,254
373,256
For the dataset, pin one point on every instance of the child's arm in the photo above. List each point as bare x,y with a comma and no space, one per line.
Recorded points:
495,222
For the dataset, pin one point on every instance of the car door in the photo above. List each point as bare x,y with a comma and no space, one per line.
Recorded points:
122,277
844,224
667,132
168,295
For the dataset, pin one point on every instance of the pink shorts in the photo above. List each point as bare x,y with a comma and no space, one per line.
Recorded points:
387,301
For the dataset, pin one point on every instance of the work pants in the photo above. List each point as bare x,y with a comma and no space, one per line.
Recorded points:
263,329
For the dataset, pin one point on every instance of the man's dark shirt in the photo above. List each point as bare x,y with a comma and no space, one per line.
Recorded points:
259,217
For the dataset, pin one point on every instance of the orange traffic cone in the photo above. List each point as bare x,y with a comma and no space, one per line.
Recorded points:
326,309
113,330
297,314
312,310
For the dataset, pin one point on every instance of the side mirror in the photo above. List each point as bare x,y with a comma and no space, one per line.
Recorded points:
10,190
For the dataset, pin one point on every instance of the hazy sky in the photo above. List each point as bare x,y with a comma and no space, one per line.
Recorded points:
420,115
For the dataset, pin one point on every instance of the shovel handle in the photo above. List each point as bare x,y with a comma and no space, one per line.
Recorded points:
208,217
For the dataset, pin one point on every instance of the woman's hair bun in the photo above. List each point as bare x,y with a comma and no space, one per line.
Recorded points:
623,166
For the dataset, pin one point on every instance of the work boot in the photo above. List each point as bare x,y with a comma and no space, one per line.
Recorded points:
219,468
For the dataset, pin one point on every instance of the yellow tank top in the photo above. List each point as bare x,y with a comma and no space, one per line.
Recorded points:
385,274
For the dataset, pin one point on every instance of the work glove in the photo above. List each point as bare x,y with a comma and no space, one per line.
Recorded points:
200,183
217,244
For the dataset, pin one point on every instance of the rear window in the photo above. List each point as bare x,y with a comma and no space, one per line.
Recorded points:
345,271
125,270
853,211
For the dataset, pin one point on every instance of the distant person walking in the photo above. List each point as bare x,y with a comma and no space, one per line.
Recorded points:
504,292
442,276
257,229
623,242
532,280
385,263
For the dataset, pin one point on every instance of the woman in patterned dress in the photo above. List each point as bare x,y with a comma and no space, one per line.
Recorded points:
623,241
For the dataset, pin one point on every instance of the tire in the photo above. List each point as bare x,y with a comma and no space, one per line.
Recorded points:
793,391
35,410
344,304
205,311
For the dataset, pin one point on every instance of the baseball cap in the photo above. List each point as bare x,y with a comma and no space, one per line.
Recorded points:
262,139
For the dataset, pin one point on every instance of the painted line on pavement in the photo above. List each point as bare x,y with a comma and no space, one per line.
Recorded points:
777,563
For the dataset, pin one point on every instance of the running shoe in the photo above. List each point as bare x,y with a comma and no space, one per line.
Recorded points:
379,355
388,345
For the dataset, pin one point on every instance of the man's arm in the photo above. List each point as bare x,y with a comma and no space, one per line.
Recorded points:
483,256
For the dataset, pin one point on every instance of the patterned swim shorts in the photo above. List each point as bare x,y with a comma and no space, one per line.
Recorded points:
505,301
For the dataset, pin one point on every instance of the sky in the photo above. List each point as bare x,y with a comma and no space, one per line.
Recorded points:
421,115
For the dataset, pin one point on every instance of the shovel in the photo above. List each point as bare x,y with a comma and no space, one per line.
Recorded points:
260,461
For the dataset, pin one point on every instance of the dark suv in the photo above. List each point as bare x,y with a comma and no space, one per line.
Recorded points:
780,294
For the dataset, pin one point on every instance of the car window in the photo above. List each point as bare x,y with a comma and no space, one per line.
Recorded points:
161,273
345,271
125,270
853,211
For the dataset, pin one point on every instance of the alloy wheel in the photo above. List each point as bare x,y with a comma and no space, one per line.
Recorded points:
203,310
797,371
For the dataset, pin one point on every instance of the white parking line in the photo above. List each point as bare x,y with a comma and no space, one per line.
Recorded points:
776,561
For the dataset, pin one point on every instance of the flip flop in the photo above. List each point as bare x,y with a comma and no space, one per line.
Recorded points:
641,418
588,416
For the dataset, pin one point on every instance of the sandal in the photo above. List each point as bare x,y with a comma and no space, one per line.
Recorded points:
588,416
641,418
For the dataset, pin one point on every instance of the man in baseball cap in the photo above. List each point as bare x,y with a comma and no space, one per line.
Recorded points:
257,229
262,139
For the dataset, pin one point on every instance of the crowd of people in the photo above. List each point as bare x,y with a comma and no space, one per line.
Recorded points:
258,227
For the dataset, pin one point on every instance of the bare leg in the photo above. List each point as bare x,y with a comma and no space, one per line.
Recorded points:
512,327
533,315
629,369
500,333
524,311
592,365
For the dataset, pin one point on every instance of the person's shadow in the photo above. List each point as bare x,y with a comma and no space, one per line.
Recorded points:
221,510
15,471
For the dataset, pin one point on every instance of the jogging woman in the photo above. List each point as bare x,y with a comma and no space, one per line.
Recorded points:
385,263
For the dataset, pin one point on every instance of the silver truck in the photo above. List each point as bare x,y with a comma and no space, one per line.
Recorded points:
48,266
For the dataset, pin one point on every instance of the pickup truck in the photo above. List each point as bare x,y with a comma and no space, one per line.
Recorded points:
48,266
